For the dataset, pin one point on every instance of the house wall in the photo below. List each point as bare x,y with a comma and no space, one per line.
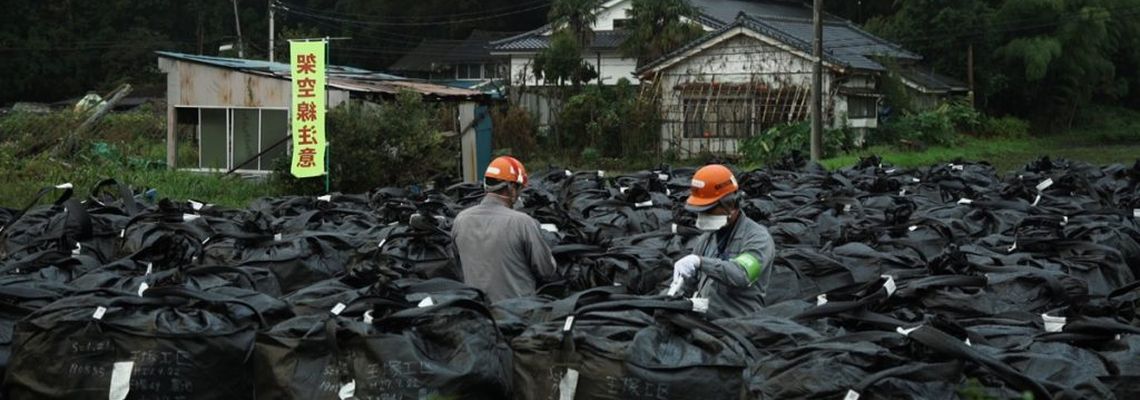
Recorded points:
614,67
739,60
605,19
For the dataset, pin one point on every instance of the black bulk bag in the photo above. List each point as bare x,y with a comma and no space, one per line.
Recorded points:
60,227
615,349
169,343
445,350
298,260
20,296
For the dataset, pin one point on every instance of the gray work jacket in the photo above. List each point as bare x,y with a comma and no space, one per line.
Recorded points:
501,251
730,280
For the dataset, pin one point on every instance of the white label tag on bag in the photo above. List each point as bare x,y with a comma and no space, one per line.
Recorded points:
1064,220
568,385
1045,184
674,228
549,228
189,217
385,240
149,268
913,228
325,198
196,205
368,317
821,300
701,304
846,208
675,286
142,288
644,204
601,174
851,395
122,233
77,250
426,302
1036,200
99,311
1053,324
889,285
889,171
1012,248
347,391
906,332
1136,213
662,177
902,192
65,186
915,180
569,324
568,173
965,201
957,167
622,189
968,342
339,308
120,380
277,237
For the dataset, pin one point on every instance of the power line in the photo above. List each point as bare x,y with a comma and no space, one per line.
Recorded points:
434,23
420,18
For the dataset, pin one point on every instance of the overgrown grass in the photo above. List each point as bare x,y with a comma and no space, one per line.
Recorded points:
1004,154
128,147
1104,125
40,171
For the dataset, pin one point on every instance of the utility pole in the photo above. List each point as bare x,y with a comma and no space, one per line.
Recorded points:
970,72
271,31
237,23
817,83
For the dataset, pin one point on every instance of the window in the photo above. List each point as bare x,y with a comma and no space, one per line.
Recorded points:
233,138
469,71
862,107
719,118
621,23
743,112
494,71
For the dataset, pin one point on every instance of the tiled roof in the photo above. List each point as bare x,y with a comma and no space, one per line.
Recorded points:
536,40
432,52
932,81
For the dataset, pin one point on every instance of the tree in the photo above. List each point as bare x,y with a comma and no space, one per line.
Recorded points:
656,28
578,16
562,61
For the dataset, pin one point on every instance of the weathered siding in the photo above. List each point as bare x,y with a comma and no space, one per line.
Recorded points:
739,60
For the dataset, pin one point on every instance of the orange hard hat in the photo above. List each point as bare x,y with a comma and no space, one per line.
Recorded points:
710,184
507,169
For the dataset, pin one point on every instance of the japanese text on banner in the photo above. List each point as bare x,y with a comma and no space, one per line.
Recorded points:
307,113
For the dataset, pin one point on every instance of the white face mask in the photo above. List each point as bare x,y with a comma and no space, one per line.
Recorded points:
708,222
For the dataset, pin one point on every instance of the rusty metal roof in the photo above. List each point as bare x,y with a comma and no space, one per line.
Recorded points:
352,79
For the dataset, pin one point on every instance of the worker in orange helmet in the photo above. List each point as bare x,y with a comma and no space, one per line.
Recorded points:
501,251
731,262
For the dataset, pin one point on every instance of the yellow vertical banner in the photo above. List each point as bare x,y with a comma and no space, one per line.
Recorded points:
307,113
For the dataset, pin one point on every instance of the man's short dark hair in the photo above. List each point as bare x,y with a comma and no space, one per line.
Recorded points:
493,185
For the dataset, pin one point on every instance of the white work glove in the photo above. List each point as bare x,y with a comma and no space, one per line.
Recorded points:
685,268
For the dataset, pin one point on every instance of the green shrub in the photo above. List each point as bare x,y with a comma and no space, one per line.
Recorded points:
616,120
370,145
783,140
515,132
1005,128
939,126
